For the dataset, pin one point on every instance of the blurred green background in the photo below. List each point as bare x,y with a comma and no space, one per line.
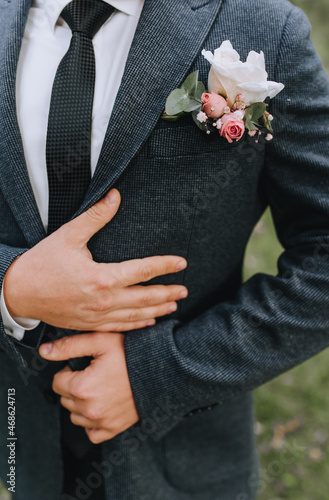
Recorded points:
292,426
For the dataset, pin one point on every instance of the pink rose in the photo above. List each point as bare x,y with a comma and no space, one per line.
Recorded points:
213,104
232,127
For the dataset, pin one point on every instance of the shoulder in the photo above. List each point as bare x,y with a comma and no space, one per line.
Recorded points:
268,13
259,25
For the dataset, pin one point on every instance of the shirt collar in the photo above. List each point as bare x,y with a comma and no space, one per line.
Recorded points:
52,9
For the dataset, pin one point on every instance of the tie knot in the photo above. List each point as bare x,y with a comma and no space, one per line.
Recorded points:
86,16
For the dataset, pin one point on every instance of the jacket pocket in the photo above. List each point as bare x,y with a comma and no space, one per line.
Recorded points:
186,140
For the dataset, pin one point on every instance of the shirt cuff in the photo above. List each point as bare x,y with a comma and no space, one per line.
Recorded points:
16,327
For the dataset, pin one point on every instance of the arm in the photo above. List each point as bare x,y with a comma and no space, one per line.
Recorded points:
274,323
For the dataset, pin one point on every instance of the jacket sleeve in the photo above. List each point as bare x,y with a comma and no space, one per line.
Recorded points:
7,257
16,349
274,322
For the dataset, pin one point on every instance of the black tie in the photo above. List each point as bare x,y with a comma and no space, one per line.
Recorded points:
69,124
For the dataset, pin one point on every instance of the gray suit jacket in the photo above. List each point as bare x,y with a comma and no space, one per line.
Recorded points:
198,196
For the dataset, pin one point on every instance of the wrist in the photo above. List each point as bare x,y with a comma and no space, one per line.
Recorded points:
13,291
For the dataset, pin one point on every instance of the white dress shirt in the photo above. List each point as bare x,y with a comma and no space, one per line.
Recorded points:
46,40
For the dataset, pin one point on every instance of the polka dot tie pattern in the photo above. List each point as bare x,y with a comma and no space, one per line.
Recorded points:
68,147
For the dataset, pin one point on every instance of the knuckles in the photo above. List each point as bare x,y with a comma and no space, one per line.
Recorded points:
144,299
99,279
146,272
95,437
92,412
74,419
96,212
65,344
81,389
99,307
134,316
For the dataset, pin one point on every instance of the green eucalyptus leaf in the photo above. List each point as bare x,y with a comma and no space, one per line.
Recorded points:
248,114
257,109
195,98
266,123
187,98
200,89
191,83
177,102
250,125
193,106
250,121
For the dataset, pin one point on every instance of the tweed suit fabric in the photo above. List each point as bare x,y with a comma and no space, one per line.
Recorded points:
188,194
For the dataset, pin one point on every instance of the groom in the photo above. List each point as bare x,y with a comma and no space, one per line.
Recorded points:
167,407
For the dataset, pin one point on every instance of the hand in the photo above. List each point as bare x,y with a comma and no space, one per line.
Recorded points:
58,282
99,398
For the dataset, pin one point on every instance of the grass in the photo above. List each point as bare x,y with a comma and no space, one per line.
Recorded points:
291,411
318,14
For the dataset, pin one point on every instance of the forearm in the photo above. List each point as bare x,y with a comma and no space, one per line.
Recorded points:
275,322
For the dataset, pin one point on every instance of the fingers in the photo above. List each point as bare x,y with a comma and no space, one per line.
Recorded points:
79,415
82,228
62,381
81,421
135,271
97,436
139,296
144,313
123,318
75,346
76,414
126,326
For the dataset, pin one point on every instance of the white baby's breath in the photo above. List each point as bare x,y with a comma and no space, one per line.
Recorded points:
239,115
201,117
219,124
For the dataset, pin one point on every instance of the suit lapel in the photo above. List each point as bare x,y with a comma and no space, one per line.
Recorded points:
14,179
169,36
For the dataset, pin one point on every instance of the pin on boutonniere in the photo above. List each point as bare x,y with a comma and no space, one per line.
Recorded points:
235,99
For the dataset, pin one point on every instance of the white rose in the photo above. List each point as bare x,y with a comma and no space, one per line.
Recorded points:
229,76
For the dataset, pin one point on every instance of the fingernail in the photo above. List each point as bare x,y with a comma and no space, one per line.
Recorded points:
181,265
111,197
151,323
183,294
173,307
46,348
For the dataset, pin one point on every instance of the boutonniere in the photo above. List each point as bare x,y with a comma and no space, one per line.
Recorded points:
235,99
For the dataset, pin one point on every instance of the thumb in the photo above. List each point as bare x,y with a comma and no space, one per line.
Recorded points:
83,227
74,346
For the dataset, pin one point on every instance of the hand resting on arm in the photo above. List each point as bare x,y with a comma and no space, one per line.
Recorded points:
58,282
